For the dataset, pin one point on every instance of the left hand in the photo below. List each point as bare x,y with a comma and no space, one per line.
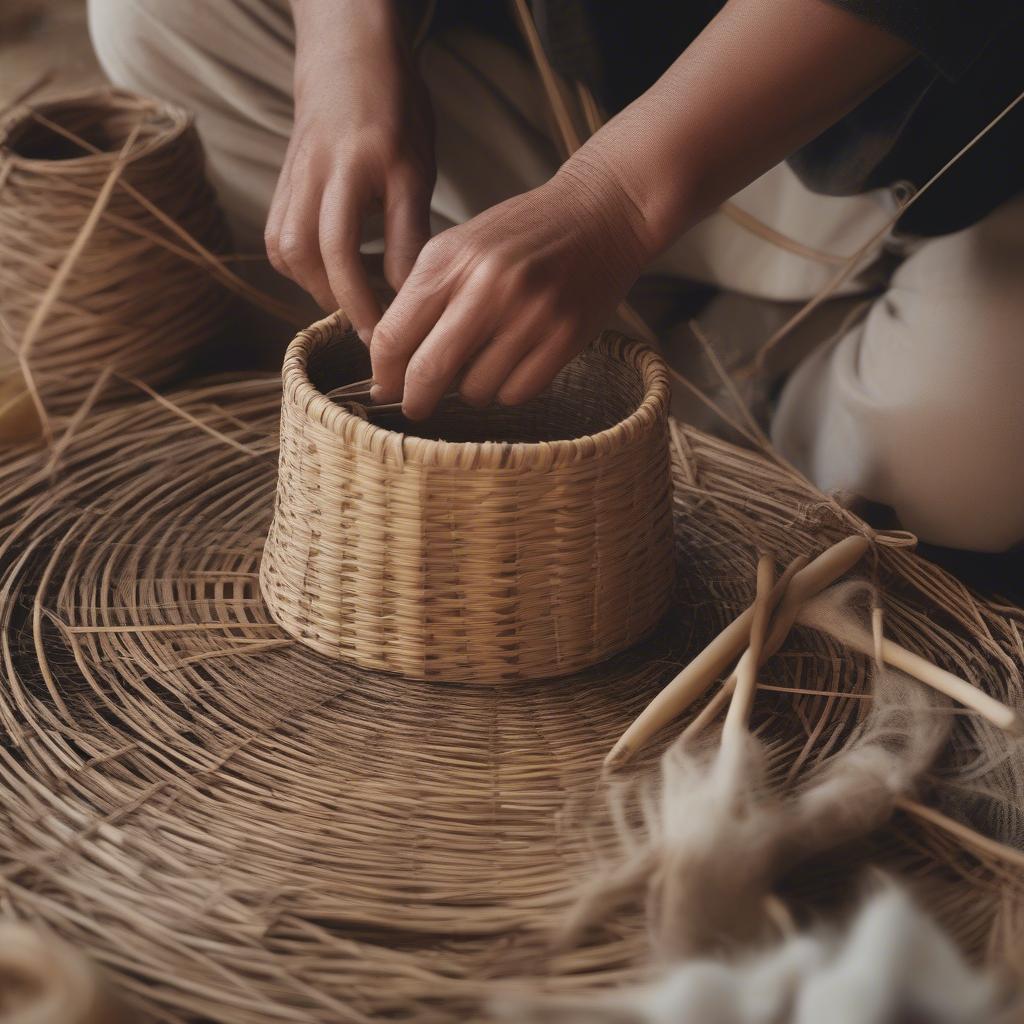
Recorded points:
509,297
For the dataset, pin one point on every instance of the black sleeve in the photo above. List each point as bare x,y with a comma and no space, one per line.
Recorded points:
951,34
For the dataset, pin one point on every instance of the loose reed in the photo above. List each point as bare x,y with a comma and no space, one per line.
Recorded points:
95,192
480,545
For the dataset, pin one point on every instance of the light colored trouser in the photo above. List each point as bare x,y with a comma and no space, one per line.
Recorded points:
919,406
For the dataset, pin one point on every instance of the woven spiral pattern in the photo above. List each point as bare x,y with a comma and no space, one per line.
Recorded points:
136,296
504,544
239,829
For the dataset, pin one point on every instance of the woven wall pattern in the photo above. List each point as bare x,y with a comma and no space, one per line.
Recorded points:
242,830
107,221
530,543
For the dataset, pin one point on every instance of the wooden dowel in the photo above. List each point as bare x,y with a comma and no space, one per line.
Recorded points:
693,681
799,583
832,563
999,714
746,671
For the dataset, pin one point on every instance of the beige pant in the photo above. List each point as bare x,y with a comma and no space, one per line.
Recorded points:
917,406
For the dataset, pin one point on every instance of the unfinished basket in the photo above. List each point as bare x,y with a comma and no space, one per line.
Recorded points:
107,229
510,543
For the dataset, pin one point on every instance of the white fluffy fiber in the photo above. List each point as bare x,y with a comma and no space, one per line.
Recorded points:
892,965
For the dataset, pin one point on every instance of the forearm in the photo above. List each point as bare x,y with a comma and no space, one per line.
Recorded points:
329,31
764,78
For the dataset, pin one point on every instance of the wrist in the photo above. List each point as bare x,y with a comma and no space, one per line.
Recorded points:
658,180
592,187
347,31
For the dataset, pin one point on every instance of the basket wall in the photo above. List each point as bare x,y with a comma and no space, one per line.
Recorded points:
512,559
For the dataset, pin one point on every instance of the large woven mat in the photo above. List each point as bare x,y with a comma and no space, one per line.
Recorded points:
241,830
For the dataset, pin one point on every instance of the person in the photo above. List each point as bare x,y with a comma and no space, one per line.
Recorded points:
330,136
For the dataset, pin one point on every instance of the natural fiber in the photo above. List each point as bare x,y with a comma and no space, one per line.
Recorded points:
101,196
721,830
240,829
891,963
508,543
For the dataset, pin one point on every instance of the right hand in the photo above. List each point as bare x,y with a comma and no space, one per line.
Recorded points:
362,137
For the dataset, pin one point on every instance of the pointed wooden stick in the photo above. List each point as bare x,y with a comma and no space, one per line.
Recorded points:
1000,715
821,573
832,563
693,681
746,671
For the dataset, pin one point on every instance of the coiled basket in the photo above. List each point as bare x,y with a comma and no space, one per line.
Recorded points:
107,226
509,543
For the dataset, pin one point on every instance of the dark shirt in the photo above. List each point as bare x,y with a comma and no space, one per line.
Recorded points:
970,66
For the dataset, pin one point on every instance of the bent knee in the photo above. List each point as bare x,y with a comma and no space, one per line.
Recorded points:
956,479
134,42
930,423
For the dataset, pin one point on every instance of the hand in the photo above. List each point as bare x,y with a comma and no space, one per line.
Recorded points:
509,297
363,136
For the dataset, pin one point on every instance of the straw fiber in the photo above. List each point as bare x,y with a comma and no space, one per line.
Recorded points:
106,223
242,830
482,544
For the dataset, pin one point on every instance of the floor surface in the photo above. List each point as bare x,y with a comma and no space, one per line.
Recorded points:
41,36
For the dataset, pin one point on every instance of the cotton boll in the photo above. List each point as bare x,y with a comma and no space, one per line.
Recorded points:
895,965
892,964
756,991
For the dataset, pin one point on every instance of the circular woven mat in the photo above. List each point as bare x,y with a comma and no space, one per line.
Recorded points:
244,831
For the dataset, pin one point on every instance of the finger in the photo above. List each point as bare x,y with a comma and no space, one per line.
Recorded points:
406,226
407,321
341,218
276,215
461,330
491,366
538,368
298,245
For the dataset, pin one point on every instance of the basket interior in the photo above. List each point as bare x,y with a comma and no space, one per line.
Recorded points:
104,126
591,394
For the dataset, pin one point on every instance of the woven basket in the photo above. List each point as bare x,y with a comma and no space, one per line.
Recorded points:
505,544
105,216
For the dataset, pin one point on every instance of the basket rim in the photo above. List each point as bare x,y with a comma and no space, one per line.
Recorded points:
178,119
390,445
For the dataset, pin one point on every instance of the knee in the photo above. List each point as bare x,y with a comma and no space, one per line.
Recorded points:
949,456
124,35
920,409
140,43
957,480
